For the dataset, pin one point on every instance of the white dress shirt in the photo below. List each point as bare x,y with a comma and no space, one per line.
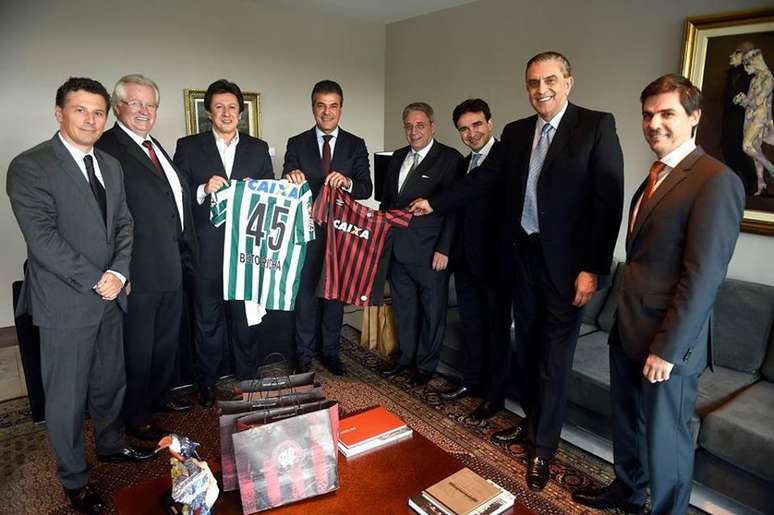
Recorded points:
169,171
409,162
227,153
554,122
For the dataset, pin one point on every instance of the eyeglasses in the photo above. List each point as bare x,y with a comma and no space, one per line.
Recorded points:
418,126
136,105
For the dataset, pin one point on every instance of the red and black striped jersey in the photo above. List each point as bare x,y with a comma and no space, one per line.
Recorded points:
355,240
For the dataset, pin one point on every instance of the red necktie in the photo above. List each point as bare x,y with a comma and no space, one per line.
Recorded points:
655,169
153,157
326,154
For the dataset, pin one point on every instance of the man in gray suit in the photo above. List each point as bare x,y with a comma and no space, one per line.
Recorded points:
69,201
683,225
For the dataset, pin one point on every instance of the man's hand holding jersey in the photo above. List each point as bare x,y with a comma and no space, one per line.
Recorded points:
338,180
420,207
215,183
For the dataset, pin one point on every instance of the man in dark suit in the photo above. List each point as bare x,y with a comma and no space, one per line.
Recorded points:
562,176
474,263
683,226
209,161
160,203
69,201
324,154
418,274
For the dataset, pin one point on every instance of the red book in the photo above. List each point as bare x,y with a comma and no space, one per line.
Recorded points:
369,428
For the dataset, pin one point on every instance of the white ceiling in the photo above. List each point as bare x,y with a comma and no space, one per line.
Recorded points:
378,11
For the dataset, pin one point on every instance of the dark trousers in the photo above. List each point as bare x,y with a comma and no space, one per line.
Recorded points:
483,355
221,327
151,339
652,442
547,327
316,319
420,298
80,366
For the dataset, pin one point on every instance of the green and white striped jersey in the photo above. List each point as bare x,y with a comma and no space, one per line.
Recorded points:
268,224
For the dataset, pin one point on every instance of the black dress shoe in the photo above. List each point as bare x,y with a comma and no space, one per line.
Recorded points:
171,406
487,409
421,378
84,500
393,370
335,366
150,432
614,495
206,396
514,434
537,474
128,454
456,394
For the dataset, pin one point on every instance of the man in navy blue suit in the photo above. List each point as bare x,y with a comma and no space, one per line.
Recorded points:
324,154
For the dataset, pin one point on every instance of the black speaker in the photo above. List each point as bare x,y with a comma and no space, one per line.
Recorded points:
381,165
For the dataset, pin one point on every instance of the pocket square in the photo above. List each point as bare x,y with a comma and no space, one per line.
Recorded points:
425,176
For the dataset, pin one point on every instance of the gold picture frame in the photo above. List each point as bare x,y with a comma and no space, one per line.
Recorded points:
719,57
196,120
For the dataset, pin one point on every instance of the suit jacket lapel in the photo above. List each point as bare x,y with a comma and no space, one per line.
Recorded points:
72,170
134,150
526,151
675,177
561,137
211,152
313,151
425,165
339,150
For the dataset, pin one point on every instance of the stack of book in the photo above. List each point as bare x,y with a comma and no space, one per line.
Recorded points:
370,429
462,493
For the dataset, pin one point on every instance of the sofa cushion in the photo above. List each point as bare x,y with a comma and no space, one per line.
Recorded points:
741,433
743,318
589,381
607,314
715,388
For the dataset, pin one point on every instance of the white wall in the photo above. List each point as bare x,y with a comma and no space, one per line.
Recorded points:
278,52
615,46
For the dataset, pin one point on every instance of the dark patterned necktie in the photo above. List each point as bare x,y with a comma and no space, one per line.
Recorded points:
326,154
96,187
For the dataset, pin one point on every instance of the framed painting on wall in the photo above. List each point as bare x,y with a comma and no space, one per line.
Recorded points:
728,56
196,119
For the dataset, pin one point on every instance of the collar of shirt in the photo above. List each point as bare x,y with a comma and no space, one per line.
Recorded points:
78,156
320,141
484,150
673,158
135,137
554,122
221,143
422,151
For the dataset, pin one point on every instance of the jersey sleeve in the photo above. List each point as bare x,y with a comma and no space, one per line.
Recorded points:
304,224
398,218
219,201
321,206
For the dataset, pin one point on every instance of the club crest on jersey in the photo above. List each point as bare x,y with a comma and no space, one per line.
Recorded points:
351,229
283,188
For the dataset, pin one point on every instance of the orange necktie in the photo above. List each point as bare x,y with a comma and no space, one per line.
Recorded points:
655,169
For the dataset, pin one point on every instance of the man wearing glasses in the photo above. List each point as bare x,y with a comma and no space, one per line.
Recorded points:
420,253
164,246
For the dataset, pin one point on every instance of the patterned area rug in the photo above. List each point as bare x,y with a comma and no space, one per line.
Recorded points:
28,482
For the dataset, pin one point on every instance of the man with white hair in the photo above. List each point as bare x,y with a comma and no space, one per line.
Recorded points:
163,229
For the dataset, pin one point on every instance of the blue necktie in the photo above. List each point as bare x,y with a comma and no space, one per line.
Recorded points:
529,216
474,161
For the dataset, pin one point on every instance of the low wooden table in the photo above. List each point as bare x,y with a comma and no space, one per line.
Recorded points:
380,481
